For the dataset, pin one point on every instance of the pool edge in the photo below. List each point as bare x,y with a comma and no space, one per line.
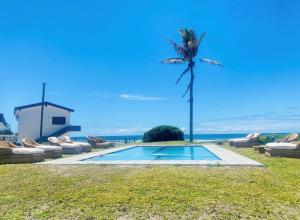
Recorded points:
228,158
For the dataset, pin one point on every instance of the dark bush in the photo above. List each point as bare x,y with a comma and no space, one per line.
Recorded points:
163,133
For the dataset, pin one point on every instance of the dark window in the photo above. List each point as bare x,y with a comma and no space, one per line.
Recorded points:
58,120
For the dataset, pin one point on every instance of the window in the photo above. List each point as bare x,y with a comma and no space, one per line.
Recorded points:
58,120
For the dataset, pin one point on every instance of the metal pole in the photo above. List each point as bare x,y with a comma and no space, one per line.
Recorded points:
42,111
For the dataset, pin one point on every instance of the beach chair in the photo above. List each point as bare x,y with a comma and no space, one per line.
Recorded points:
85,147
50,151
67,148
289,138
283,150
10,154
249,141
99,142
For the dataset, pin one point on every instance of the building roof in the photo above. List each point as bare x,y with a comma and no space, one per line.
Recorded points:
45,103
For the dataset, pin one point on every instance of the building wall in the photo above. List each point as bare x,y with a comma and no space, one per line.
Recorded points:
29,121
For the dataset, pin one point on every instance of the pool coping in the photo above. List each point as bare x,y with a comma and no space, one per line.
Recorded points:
228,158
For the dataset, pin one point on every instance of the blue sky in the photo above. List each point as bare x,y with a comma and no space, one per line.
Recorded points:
102,58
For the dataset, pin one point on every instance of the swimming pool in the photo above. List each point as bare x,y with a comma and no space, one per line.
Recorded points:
158,153
207,154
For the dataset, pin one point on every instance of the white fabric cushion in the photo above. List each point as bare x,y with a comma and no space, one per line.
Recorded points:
26,150
239,139
281,146
48,147
255,135
69,145
54,140
249,135
67,139
83,144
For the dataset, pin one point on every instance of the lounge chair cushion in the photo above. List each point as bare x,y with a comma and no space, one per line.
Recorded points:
23,155
28,142
70,145
83,144
67,139
28,151
282,146
104,145
239,140
70,148
249,135
49,147
256,134
53,140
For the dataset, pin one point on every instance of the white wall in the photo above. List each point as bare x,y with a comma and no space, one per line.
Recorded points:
29,121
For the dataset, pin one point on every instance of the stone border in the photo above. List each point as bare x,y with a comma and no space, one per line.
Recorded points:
228,158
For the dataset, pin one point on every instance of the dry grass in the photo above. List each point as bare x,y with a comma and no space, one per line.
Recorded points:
152,192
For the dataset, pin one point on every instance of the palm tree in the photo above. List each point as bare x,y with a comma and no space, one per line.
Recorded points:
187,52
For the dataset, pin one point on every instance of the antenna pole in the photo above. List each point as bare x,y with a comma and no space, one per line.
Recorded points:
42,111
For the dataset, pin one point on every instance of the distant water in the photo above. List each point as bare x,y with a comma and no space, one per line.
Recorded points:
197,137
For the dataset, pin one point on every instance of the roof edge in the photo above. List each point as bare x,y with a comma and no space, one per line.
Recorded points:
40,103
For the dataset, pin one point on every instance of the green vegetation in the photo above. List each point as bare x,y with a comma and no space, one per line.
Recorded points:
158,192
263,139
163,133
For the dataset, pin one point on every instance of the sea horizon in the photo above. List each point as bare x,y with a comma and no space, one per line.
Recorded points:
197,137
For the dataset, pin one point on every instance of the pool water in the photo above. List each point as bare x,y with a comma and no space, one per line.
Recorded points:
158,153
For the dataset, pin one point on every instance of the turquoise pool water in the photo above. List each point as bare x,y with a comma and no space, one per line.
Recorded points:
158,153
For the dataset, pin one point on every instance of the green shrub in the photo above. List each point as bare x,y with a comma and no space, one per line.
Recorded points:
163,133
264,139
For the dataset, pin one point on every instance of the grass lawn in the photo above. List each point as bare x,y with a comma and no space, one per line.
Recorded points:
158,192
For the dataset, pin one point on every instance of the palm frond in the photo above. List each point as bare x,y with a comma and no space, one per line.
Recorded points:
179,49
174,61
189,42
184,72
187,35
212,62
201,38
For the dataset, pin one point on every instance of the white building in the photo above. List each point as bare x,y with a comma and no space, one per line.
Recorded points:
56,121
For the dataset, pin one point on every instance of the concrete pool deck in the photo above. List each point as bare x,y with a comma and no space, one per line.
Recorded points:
228,158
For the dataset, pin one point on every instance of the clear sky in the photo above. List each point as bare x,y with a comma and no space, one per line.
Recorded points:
102,58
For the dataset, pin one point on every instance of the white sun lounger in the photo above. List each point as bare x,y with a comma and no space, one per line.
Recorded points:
85,147
283,150
51,151
249,141
67,148
10,153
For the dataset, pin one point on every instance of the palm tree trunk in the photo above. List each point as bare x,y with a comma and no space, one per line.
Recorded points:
191,103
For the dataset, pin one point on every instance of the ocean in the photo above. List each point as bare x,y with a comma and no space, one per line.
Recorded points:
137,138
